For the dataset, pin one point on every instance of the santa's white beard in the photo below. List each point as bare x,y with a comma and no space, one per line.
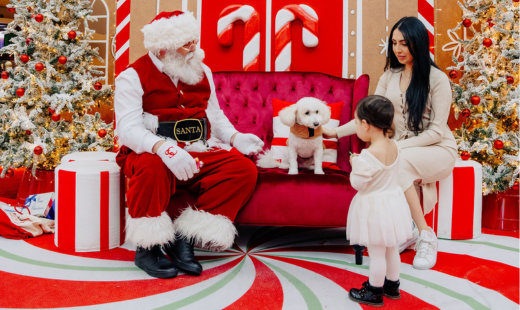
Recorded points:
187,68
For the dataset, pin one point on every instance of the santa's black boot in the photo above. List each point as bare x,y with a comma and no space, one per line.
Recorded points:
181,253
368,295
155,263
391,289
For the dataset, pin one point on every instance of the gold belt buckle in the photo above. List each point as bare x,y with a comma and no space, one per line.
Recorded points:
186,130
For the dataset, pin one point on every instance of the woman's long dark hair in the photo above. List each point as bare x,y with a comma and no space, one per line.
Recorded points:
417,40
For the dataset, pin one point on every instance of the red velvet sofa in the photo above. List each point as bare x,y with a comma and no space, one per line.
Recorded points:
280,199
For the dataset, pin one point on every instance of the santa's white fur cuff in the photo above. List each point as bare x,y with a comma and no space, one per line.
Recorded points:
146,232
207,231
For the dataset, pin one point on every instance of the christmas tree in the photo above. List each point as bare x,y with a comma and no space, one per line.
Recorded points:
45,98
487,94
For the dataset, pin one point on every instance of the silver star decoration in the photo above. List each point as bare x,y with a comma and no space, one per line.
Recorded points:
384,46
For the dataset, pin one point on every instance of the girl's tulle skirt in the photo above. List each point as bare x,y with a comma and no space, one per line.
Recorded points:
379,219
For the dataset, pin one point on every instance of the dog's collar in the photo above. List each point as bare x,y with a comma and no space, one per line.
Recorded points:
305,132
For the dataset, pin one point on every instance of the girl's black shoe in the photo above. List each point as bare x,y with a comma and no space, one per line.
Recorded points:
368,295
391,289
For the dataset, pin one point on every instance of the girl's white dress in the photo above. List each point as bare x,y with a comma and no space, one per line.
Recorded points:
379,213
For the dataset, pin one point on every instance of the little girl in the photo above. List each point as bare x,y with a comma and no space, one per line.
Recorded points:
379,216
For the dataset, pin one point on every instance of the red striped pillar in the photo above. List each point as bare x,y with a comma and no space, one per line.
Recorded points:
122,36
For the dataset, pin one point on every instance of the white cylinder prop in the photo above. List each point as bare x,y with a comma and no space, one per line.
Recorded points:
90,206
100,156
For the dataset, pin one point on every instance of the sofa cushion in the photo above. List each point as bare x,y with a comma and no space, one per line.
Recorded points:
246,99
281,199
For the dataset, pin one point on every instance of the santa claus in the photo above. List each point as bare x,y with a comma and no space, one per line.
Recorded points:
167,116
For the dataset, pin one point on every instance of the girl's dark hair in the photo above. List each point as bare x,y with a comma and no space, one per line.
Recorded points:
377,111
417,40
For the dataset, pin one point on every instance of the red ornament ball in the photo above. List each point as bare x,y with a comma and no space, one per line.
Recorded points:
465,155
12,10
487,42
38,18
38,150
466,113
20,92
28,41
453,74
28,132
516,0
467,23
72,35
475,100
516,185
24,58
55,117
102,133
98,86
510,80
62,60
490,23
39,66
498,144
51,110
5,75
9,173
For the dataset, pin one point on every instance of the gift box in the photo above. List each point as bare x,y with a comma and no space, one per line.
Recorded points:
39,204
458,212
97,156
89,209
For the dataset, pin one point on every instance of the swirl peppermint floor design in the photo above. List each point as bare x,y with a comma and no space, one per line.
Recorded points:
268,268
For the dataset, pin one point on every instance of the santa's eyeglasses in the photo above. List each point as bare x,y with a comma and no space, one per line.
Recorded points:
189,45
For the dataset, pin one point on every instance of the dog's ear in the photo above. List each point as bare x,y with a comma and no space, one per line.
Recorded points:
288,115
325,111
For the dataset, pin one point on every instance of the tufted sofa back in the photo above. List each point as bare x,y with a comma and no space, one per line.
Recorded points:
246,99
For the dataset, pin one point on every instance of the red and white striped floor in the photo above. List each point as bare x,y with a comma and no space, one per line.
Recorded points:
268,268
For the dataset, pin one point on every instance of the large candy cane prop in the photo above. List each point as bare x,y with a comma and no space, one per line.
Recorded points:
251,19
284,17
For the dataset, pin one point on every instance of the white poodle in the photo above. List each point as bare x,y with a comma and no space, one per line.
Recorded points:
305,140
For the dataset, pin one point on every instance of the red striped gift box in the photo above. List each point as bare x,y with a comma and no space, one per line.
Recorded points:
90,209
101,156
458,212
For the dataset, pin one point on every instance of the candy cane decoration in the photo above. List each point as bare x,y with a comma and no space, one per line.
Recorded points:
426,16
122,55
282,41
251,18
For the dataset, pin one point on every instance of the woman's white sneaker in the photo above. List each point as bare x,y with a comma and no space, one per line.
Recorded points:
426,248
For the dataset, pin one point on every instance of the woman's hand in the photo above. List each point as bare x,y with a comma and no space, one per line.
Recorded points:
329,133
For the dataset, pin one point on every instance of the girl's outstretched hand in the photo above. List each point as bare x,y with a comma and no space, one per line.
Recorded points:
329,133
352,155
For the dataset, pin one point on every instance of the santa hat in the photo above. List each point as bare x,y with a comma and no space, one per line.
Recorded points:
170,30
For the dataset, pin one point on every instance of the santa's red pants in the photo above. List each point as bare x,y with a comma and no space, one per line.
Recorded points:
224,184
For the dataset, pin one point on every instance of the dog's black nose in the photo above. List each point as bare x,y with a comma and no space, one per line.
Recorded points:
316,123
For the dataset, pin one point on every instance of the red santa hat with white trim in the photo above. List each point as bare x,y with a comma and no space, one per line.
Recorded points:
170,30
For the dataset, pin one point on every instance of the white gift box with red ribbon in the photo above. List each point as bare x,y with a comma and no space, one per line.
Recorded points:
458,212
89,209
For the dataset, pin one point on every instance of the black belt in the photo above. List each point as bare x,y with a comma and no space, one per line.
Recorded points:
186,130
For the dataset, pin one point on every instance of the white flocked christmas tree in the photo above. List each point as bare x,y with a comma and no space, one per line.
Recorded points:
46,97
487,94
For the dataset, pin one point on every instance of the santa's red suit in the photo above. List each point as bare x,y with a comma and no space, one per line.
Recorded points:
145,96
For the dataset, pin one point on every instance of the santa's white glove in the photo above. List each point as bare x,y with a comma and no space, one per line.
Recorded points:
248,144
180,162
